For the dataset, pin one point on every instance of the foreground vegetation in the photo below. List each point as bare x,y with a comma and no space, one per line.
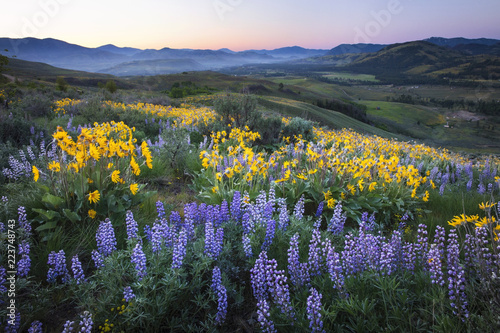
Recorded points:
135,212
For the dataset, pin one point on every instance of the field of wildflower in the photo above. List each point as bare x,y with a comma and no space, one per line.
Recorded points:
279,224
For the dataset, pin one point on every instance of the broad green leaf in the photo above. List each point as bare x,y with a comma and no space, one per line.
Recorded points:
52,200
47,214
72,216
47,225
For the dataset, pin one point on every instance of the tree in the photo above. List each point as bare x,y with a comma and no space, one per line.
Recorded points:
61,84
111,86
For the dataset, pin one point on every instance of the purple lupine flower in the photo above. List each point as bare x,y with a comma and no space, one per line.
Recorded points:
422,243
236,212
176,221
24,264
284,218
105,237
409,257
9,328
319,211
76,267
351,257
469,185
270,230
247,246
160,210
139,259
98,259
36,327
132,227
190,213
313,311
2,227
57,261
267,281
334,267
128,294
434,261
224,212
336,225
23,221
68,326
481,189
482,253
314,259
298,210
3,274
299,272
456,278
5,199
148,232
86,322
220,291
179,249
263,315
247,223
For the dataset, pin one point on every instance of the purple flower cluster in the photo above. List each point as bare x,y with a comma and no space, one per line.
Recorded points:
3,274
315,259
334,267
132,227
336,225
313,311
86,322
270,230
270,283
214,238
105,237
128,294
76,267
139,259
180,249
247,246
298,210
36,327
299,272
284,217
98,259
23,221
220,291
456,278
57,263
24,264
236,203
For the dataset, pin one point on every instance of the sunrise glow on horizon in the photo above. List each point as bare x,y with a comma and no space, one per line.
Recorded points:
244,24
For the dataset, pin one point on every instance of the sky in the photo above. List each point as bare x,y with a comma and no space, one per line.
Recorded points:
247,24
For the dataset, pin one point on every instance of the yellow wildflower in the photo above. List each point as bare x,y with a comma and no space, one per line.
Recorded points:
115,176
134,188
36,173
94,196
92,213
54,166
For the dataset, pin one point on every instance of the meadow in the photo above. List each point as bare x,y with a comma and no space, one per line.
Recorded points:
132,211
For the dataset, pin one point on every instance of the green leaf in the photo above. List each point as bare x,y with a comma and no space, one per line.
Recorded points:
47,214
47,225
72,216
52,200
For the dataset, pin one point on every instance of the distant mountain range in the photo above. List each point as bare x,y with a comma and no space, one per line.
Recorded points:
127,61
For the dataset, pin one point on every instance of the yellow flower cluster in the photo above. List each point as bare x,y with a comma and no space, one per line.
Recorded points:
106,146
364,163
62,106
489,221
185,115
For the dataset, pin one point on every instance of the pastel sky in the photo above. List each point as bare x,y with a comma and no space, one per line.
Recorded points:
247,24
